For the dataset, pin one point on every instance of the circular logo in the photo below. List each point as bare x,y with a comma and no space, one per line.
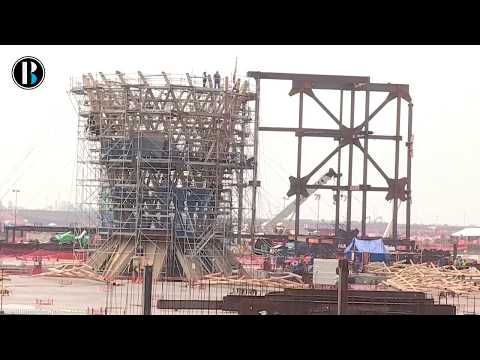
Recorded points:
28,72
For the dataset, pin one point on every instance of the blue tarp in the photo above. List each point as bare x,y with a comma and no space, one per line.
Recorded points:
376,249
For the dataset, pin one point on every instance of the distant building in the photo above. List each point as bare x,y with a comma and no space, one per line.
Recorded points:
468,239
41,217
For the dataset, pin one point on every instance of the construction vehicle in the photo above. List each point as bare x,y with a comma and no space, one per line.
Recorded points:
280,229
262,246
69,238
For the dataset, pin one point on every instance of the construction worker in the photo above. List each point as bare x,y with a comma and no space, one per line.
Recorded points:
458,262
236,86
204,79
216,80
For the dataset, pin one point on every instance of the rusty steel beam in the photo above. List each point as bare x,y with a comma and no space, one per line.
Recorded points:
189,304
288,305
374,163
403,90
397,158
350,163
299,169
317,100
255,157
384,137
286,237
326,132
339,169
342,298
365,167
147,290
346,187
372,295
409,171
324,161
332,82
352,84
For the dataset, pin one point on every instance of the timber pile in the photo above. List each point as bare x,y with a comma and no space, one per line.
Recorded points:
426,277
273,280
79,271
3,290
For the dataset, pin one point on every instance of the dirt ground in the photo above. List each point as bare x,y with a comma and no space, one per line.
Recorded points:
50,295
62,296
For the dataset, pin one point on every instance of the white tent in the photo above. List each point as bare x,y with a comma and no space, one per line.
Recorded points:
467,232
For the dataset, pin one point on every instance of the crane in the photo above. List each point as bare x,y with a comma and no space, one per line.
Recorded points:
290,208
388,231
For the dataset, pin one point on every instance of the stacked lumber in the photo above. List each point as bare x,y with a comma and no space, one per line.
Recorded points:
3,290
273,280
79,271
426,277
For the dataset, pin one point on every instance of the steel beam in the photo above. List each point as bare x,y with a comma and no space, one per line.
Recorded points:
374,163
240,186
325,132
409,171
332,132
346,187
380,87
317,100
332,82
339,169
365,166
342,287
299,168
324,161
384,137
397,154
350,162
255,157
147,290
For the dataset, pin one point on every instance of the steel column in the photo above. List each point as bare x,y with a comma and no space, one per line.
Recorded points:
350,163
299,168
339,169
409,171
342,287
397,153
147,290
255,158
365,165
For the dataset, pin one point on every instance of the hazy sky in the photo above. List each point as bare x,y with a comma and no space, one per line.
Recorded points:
39,127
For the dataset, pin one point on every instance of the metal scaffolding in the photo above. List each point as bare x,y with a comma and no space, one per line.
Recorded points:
162,166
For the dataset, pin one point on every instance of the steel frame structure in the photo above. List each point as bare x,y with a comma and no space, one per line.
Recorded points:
397,188
162,164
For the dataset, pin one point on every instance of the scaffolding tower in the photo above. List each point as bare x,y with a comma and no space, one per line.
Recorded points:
163,163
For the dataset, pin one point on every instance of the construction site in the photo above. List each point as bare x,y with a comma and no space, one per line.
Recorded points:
167,183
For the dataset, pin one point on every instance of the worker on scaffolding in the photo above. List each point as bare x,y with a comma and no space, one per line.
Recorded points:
204,78
236,86
216,80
